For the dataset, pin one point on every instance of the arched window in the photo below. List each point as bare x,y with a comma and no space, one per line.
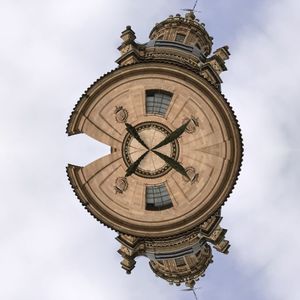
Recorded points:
157,197
157,102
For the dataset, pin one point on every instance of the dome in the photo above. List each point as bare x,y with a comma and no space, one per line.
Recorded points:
183,31
183,269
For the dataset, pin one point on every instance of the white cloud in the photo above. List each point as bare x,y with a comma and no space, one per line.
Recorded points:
50,247
263,86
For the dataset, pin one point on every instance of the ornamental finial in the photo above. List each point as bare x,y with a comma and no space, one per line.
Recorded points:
191,11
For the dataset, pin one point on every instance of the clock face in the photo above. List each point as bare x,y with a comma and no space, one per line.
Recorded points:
176,150
152,133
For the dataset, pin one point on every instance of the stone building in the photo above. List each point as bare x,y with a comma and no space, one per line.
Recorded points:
176,149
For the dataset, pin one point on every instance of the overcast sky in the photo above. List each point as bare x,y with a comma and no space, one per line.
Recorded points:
50,52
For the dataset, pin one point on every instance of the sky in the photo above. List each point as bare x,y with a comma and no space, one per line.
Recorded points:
50,52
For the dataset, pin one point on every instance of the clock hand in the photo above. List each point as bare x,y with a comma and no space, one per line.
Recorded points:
135,134
172,163
173,135
132,168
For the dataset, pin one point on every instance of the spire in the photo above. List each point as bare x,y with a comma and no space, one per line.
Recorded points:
191,11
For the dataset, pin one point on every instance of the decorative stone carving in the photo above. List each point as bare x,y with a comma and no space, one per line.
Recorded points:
191,127
172,57
223,246
216,66
222,53
121,114
121,185
193,176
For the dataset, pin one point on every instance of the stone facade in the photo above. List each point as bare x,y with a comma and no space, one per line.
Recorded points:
193,174
192,52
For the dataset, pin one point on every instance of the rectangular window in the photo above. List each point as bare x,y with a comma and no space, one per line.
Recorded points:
180,262
157,197
157,102
180,37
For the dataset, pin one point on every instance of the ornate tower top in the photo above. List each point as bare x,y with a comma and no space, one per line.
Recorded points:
178,40
185,269
187,30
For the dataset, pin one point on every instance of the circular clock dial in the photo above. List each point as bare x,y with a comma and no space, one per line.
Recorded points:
152,166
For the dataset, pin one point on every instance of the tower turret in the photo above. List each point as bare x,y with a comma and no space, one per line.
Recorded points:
185,268
181,40
187,31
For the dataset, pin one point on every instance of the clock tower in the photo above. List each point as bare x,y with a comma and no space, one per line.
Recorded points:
176,149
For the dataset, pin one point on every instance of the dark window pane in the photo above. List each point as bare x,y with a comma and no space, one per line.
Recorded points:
157,102
180,37
157,197
180,262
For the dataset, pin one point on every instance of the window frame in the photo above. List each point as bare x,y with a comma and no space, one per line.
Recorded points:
161,101
180,262
182,35
157,197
